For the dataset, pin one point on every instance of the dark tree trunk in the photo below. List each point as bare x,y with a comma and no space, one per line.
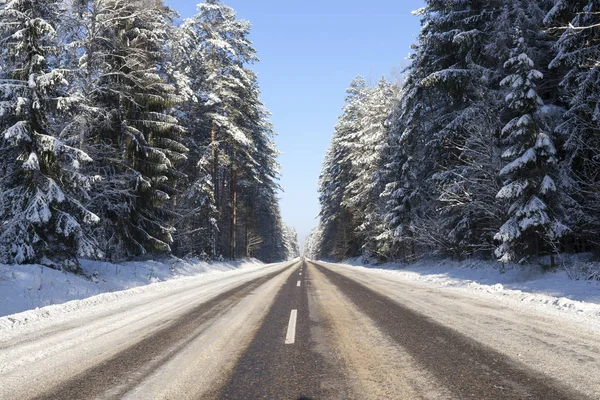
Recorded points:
232,231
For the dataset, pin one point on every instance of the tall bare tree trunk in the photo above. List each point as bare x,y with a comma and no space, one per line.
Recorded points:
215,168
232,232
247,231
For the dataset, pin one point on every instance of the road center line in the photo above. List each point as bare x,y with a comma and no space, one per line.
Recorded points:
290,338
298,284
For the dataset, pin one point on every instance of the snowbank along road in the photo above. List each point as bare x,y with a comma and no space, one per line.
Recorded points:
301,330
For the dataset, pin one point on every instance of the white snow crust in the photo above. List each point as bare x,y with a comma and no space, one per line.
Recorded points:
37,292
522,287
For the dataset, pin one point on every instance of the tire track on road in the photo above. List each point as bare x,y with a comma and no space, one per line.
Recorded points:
116,376
465,367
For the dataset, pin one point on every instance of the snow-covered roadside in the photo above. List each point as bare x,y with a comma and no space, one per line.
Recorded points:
28,287
522,287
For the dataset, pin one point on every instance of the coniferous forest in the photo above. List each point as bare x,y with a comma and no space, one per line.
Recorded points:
125,134
489,147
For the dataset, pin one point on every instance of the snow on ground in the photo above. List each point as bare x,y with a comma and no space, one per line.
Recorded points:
27,287
519,286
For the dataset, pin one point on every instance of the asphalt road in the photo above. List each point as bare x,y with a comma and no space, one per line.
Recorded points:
469,370
124,371
276,365
310,331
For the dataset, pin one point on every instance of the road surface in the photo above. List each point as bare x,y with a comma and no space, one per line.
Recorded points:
301,330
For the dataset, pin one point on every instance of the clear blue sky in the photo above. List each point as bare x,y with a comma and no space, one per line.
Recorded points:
310,50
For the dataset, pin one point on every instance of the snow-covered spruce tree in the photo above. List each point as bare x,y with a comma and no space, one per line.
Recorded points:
362,193
292,244
311,244
194,202
468,193
405,185
338,238
389,177
41,184
534,219
467,188
132,137
578,51
561,12
445,93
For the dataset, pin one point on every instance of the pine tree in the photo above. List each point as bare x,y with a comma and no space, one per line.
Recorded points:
271,228
234,110
41,183
259,187
233,154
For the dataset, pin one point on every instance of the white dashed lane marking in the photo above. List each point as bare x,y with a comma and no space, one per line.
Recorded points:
290,338
298,284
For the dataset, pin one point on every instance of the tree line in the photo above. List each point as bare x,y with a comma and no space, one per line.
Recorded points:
490,147
125,134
